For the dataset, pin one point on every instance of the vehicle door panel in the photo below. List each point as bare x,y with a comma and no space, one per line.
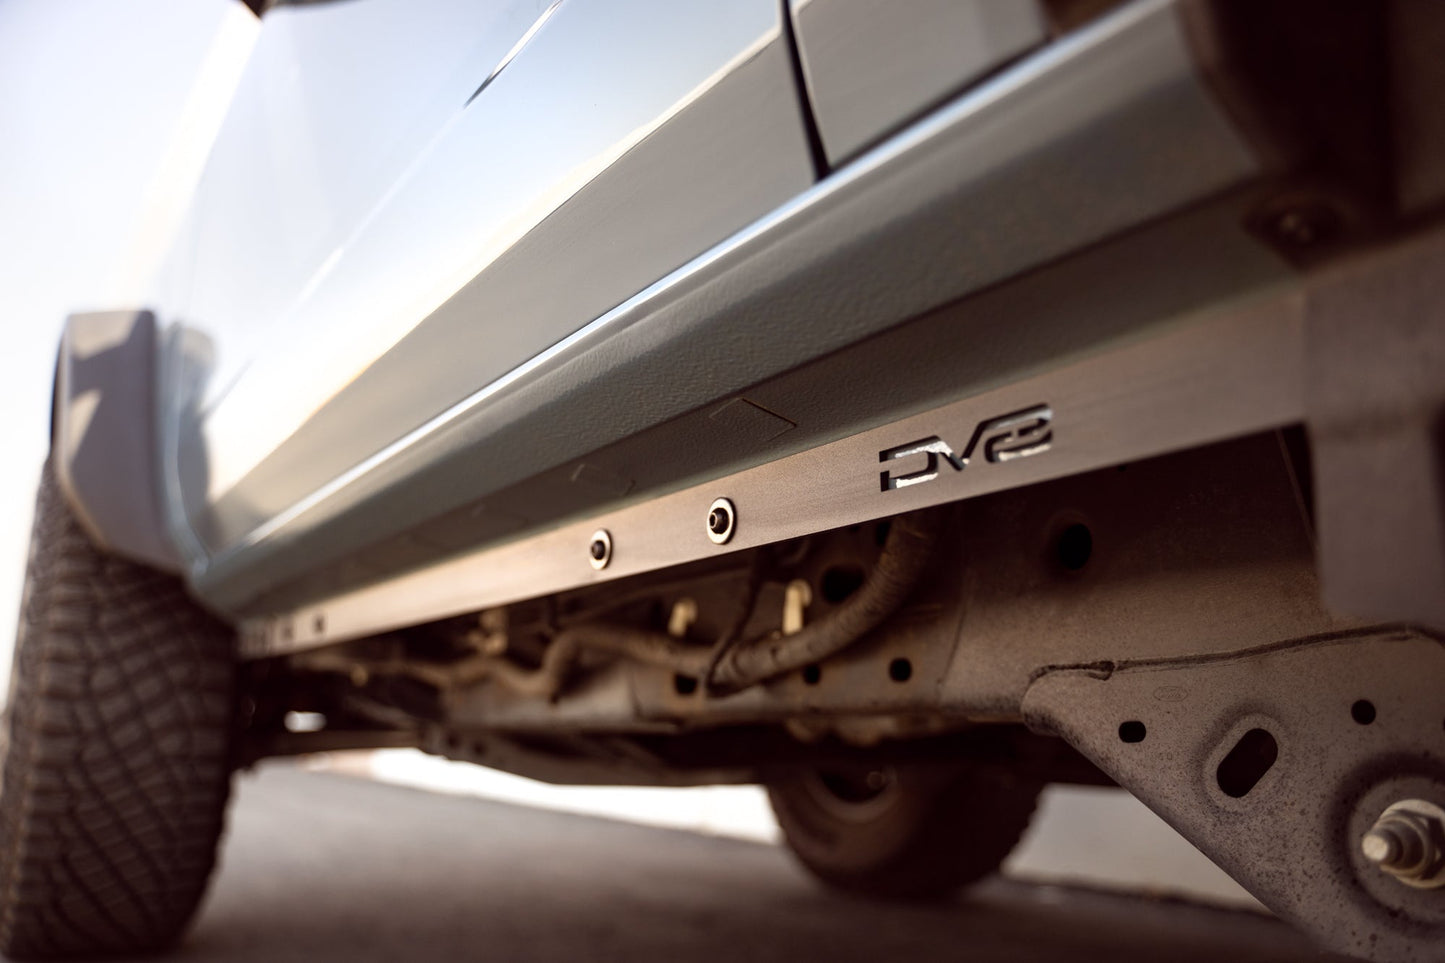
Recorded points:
620,141
870,67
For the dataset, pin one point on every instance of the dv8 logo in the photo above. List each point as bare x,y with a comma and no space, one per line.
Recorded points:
1004,438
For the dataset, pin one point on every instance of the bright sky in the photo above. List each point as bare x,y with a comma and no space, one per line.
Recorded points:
108,106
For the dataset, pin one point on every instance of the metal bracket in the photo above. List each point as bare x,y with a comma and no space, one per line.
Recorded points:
1276,762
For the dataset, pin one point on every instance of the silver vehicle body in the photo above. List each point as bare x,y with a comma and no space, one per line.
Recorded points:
387,273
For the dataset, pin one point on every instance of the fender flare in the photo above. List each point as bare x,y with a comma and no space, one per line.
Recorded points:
104,434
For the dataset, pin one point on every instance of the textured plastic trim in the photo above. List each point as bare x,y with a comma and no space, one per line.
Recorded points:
105,437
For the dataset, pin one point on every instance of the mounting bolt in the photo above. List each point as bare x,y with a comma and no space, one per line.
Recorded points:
683,615
722,521
599,553
1301,222
796,599
1408,842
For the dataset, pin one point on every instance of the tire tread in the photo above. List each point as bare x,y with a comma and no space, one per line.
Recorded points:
955,831
117,770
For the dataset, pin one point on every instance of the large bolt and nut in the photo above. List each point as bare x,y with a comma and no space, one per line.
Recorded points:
1408,842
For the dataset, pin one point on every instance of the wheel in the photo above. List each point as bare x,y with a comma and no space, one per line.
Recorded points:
117,752
903,831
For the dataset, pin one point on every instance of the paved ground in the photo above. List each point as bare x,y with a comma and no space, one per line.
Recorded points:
325,867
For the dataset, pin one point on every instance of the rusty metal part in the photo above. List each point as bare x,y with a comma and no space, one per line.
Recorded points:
1278,763
903,560
905,557
1408,842
1200,552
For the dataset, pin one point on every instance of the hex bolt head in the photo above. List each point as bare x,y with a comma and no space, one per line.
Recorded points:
1300,223
1408,842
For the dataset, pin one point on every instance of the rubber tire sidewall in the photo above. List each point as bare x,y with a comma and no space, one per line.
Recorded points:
117,755
949,826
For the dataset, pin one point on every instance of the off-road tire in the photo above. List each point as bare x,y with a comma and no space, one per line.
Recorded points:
933,831
117,751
